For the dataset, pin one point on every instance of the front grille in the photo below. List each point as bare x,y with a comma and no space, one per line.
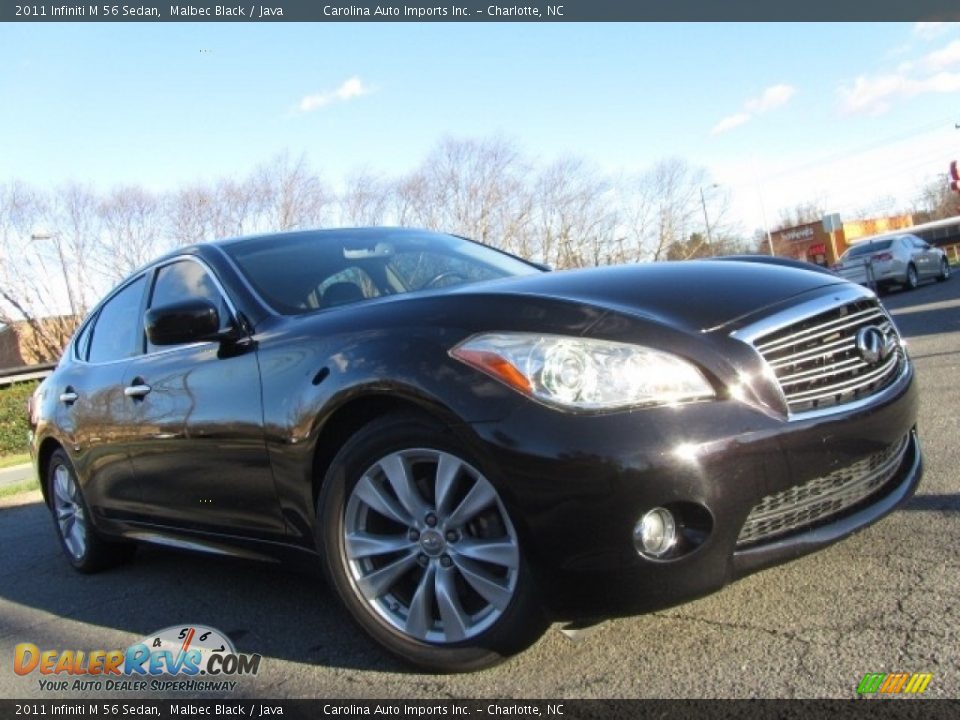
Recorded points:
804,505
816,360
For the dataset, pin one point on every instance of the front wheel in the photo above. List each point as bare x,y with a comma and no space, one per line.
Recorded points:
421,548
944,270
912,278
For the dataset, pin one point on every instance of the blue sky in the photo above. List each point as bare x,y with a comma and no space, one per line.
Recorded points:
777,114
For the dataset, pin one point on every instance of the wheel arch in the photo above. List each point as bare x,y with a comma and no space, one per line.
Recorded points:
48,447
337,427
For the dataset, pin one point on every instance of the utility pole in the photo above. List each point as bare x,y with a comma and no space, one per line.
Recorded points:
706,220
63,266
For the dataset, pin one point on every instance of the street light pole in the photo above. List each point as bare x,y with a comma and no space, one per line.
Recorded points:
706,220
766,228
63,266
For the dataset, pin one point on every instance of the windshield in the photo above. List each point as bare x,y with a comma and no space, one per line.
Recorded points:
867,248
303,272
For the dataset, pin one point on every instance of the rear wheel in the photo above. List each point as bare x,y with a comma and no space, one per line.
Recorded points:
421,548
912,278
83,547
944,270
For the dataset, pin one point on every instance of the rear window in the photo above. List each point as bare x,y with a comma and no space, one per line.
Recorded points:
867,248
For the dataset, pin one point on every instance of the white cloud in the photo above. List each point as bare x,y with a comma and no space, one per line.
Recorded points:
352,88
871,95
770,99
932,29
730,122
943,58
945,82
876,94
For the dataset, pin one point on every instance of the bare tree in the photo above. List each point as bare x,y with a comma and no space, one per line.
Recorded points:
802,213
936,201
33,298
189,214
662,207
573,221
289,195
878,207
75,221
365,200
201,213
132,226
634,197
472,187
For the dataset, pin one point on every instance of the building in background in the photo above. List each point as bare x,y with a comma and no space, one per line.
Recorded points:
812,242
35,341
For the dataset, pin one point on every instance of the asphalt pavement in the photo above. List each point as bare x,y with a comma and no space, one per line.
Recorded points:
15,474
885,600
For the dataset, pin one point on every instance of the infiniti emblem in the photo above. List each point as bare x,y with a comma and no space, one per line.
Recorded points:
874,345
432,542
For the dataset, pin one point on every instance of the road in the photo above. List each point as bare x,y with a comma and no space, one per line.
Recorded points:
885,600
15,474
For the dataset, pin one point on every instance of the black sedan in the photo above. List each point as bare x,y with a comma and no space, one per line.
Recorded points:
468,445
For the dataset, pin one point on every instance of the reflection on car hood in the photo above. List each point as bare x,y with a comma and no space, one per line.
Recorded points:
692,294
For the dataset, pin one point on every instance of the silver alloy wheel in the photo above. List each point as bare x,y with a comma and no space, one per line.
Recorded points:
429,546
69,512
912,278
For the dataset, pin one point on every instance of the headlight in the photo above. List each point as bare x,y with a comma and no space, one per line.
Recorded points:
584,374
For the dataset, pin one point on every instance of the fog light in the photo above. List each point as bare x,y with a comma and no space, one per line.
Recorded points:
656,532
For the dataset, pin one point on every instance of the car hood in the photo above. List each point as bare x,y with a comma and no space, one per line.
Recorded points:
699,295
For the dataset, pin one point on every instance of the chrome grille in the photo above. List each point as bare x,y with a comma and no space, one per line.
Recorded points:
823,497
816,360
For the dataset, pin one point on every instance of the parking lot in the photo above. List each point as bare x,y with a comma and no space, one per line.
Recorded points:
885,600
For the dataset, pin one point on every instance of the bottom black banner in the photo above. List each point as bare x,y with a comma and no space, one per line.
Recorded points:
873,709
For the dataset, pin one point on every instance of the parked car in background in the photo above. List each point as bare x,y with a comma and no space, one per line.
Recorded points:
893,260
466,444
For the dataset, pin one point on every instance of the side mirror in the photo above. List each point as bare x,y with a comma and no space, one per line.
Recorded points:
183,322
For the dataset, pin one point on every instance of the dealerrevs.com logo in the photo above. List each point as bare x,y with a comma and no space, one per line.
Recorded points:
191,658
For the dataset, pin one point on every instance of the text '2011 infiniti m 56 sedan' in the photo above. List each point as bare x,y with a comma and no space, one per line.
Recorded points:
470,445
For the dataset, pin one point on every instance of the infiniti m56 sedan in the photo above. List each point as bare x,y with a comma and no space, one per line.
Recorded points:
467,444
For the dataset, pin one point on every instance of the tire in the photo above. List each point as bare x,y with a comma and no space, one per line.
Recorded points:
427,559
944,270
912,279
84,549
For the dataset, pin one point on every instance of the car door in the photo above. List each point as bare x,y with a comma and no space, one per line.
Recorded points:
922,255
93,415
199,455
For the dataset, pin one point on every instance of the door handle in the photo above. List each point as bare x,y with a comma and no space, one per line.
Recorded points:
68,396
136,391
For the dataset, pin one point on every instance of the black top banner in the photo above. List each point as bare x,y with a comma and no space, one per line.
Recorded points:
482,11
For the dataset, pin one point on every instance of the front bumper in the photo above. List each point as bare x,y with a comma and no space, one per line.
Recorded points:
576,486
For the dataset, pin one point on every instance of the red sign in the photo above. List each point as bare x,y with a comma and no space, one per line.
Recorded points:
820,249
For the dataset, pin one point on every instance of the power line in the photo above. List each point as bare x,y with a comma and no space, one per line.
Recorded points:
828,159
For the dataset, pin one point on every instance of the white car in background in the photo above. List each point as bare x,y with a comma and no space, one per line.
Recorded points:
893,260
